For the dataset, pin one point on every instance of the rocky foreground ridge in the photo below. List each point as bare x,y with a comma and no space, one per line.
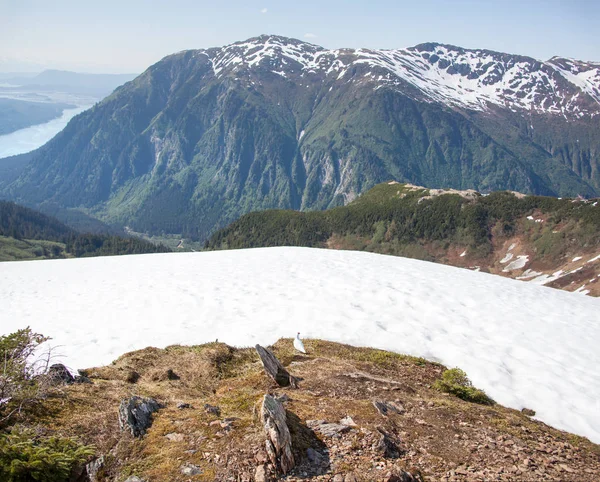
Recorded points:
350,414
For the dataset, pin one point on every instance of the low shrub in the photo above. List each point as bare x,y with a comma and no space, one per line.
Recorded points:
18,368
456,382
24,457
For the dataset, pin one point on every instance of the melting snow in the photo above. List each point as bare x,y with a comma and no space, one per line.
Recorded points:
594,259
524,344
576,258
464,253
518,263
507,258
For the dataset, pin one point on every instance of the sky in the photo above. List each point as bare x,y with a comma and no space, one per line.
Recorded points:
126,36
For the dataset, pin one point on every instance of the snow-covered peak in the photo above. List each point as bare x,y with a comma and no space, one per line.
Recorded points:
277,51
474,79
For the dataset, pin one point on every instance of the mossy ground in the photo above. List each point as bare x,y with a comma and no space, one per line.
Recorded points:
438,431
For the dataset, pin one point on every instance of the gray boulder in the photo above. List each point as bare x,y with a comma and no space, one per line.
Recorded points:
135,414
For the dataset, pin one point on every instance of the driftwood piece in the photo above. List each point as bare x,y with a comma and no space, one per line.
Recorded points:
279,440
275,369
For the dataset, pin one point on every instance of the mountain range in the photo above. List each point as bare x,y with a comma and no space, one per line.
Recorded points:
204,136
96,85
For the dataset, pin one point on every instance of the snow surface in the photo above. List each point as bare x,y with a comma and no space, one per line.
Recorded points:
526,345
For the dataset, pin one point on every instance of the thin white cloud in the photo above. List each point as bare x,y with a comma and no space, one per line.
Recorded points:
310,35
264,10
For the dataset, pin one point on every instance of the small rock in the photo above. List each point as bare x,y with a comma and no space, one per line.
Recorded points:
175,437
328,429
135,414
314,456
261,457
212,409
338,478
171,375
387,446
387,408
347,420
182,405
134,478
260,475
350,478
528,412
190,469
401,477
94,467
59,374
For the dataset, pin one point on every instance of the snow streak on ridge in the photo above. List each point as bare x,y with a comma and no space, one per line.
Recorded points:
457,77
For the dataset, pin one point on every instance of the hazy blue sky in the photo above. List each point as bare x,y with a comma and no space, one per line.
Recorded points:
129,35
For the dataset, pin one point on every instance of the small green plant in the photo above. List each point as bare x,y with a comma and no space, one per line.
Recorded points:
456,382
18,369
26,457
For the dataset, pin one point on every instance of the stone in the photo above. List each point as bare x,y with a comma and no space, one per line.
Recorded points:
175,437
135,414
347,420
279,440
328,429
388,408
387,446
338,478
59,374
183,405
314,456
350,478
260,475
402,476
93,468
212,409
275,369
528,412
191,469
134,478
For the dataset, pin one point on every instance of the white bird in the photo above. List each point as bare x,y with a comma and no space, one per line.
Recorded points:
298,345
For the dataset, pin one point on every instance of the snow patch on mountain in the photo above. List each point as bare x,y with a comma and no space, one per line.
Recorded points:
472,79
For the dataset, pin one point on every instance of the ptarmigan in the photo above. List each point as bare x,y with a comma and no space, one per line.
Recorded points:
298,345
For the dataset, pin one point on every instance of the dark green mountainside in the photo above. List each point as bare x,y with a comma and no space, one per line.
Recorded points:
29,234
204,136
556,239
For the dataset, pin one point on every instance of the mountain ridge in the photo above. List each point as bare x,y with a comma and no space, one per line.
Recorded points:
204,136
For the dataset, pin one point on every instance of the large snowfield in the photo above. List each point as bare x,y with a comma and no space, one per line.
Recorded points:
525,345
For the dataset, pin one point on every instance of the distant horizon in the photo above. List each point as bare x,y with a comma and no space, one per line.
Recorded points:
125,37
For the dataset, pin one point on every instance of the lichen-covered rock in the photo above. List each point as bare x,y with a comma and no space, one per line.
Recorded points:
135,414
58,373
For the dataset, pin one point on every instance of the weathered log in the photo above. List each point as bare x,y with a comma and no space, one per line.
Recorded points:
275,369
279,440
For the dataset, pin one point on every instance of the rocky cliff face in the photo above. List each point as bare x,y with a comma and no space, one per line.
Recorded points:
206,135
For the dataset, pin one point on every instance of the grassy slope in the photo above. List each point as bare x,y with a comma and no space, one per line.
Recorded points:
12,249
401,220
28,234
438,434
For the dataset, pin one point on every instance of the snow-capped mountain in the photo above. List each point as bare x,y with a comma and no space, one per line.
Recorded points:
472,79
204,136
